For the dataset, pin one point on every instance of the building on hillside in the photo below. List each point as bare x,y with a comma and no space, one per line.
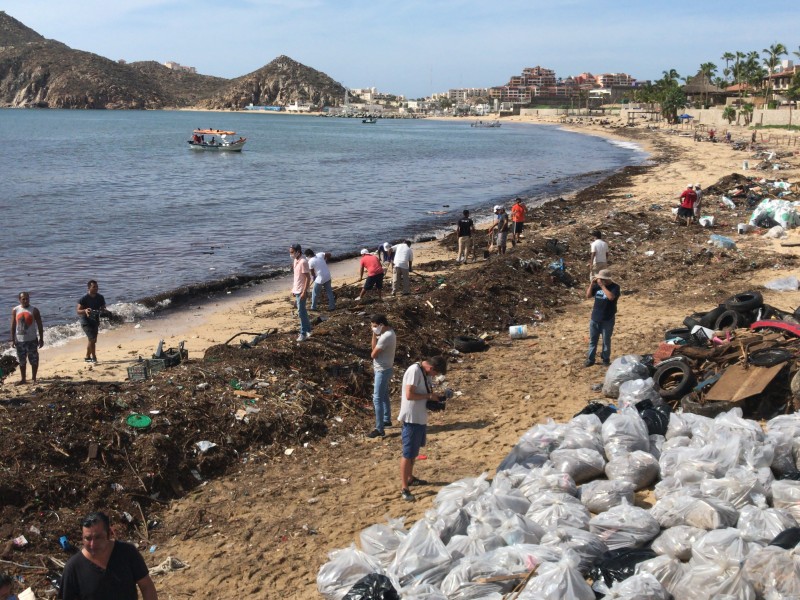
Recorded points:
171,64
609,80
464,94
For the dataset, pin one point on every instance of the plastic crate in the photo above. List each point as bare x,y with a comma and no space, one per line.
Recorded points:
139,372
156,365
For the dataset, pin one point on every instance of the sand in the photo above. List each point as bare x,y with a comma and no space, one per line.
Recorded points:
264,531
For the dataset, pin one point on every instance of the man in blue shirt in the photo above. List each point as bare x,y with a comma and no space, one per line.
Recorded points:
605,293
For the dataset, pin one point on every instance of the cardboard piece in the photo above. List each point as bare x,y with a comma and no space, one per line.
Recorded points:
739,382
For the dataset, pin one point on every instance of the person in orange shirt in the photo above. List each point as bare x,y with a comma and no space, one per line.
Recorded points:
517,220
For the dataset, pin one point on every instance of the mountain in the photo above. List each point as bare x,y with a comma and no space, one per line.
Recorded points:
281,82
38,72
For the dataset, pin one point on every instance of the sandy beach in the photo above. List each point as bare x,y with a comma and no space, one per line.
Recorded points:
264,530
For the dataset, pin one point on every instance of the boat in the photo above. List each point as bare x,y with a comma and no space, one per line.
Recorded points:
220,140
485,124
369,120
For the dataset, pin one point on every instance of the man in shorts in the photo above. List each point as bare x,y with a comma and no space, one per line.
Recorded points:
598,254
517,221
417,389
27,334
500,228
106,568
89,309
374,268
686,209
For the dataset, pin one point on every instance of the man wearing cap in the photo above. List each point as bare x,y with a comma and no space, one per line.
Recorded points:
385,254
500,227
372,265
403,259
318,263
698,192
464,230
300,285
686,209
605,293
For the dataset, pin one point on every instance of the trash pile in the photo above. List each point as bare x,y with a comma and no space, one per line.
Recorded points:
743,354
629,503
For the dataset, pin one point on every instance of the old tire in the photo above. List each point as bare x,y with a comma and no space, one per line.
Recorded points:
690,404
709,319
693,320
673,379
729,319
465,343
744,302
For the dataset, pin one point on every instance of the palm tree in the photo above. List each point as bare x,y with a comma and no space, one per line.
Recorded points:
771,61
728,57
707,70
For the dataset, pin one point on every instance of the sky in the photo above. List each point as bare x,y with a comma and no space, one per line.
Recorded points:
418,47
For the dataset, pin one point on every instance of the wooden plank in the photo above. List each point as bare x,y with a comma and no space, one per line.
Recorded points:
246,394
739,382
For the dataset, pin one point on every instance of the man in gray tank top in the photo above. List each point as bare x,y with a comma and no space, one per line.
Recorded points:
27,333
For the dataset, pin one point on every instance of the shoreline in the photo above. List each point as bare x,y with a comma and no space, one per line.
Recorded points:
179,302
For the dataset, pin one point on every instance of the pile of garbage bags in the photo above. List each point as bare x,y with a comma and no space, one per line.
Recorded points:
722,520
771,212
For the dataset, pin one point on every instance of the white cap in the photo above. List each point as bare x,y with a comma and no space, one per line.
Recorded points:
386,245
689,185
697,185
364,251
497,207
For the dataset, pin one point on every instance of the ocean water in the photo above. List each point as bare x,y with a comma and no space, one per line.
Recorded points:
119,197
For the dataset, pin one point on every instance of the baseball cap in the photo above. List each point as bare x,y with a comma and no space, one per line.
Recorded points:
386,245
497,207
364,251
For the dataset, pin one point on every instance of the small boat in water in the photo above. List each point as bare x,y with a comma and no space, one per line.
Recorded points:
220,140
485,124
369,120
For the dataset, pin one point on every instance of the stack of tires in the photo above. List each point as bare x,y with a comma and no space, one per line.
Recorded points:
740,310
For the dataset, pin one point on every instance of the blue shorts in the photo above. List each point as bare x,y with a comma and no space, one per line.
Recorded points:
413,437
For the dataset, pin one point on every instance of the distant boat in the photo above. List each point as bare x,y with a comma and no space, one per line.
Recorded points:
369,120
485,124
219,141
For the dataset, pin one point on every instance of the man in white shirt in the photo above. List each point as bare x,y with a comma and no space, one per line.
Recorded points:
318,263
417,389
403,257
384,343
599,254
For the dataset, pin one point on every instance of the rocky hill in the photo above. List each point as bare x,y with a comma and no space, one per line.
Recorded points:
281,82
37,72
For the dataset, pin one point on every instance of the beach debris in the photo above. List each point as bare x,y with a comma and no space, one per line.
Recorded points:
204,446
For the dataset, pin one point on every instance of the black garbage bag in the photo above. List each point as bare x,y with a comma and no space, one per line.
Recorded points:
373,587
618,565
787,539
766,222
655,417
790,475
603,411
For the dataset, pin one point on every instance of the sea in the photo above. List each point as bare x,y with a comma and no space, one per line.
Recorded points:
118,196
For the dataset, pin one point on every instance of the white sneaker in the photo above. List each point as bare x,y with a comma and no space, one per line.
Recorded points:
302,337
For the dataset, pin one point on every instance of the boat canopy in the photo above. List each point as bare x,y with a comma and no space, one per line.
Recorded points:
213,132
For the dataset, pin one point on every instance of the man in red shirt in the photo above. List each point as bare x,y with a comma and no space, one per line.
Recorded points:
374,269
686,208
517,221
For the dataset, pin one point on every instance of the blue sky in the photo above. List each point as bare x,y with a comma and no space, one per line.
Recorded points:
417,47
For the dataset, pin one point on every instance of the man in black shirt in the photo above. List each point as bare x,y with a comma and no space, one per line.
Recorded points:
89,309
464,231
605,293
105,569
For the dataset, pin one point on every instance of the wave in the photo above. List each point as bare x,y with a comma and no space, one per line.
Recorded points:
627,145
124,312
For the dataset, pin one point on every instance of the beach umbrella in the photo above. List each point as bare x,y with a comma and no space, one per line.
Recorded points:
685,116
